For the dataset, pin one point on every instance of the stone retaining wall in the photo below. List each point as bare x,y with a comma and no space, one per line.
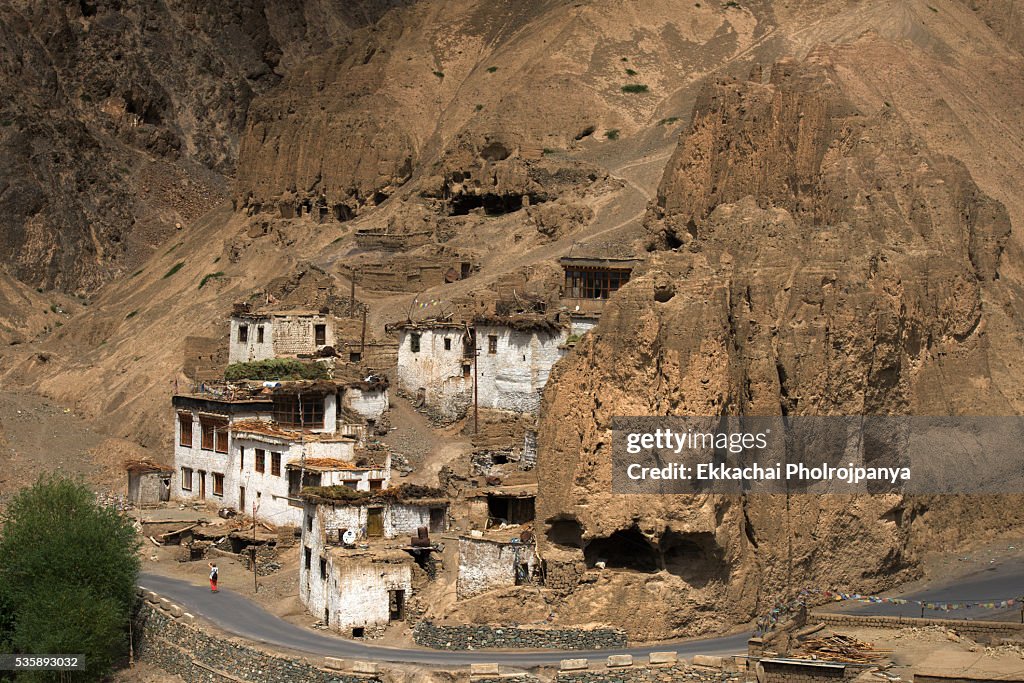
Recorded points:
664,674
169,643
476,637
979,631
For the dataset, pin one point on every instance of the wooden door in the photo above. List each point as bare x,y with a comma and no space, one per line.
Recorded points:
375,523
202,485
241,499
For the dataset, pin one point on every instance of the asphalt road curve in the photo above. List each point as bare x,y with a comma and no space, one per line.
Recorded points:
242,617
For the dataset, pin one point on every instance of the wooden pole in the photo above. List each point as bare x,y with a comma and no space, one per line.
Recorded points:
476,390
255,585
362,338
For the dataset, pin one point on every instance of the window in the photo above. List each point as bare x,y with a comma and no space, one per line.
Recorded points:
447,344
307,558
299,411
376,484
261,460
414,342
320,335
208,429
275,464
185,429
186,478
241,458
309,522
221,433
466,369
594,284
350,484
218,484
323,568
259,334
243,334
492,343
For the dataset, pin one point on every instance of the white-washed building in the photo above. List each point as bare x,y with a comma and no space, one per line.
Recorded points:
488,562
351,588
275,334
435,366
246,448
514,357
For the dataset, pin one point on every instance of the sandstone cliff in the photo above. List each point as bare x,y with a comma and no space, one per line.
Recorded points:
810,258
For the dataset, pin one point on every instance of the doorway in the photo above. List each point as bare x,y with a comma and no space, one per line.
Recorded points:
436,520
375,523
396,605
241,499
202,485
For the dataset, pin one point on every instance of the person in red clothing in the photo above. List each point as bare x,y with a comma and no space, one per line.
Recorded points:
213,577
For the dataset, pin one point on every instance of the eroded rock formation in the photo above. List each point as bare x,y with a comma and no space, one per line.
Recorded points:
807,258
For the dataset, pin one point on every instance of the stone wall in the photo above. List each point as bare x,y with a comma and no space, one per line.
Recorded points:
205,358
188,651
979,631
666,674
475,637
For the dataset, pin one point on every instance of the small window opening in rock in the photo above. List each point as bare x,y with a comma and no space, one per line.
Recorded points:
447,344
358,631
499,458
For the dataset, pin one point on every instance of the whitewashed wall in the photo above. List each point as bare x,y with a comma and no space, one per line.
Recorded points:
369,404
250,350
514,377
435,370
485,564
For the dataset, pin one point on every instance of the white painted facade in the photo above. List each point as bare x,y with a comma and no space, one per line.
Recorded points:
486,564
438,371
275,334
349,589
514,365
370,404
227,473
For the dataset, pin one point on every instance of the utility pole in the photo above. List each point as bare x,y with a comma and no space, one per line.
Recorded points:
255,586
362,338
476,387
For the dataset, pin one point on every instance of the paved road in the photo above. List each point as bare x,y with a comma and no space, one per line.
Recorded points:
999,581
236,614
240,616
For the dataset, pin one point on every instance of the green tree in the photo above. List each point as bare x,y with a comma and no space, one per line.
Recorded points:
68,568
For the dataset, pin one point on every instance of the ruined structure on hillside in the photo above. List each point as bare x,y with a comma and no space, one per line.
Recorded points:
262,335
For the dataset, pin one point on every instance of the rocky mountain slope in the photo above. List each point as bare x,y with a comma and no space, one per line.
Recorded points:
825,195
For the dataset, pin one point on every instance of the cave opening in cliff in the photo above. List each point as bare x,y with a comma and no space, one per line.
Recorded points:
694,557
342,213
624,549
492,204
565,532
495,151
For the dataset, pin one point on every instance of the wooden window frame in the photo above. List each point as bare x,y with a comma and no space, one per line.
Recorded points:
218,484
311,415
275,463
183,420
260,462
320,334
414,342
492,344
243,334
191,475
259,334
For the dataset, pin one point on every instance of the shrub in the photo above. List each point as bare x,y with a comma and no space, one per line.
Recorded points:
612,134
491,69
630,72
68,568
275,369
634,88
210,276
439,74
479,107
174,269
131,315
669,121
